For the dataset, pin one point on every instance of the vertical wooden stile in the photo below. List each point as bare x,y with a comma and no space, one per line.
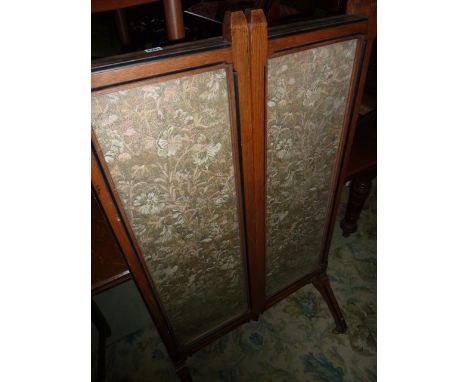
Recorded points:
235,30
258,38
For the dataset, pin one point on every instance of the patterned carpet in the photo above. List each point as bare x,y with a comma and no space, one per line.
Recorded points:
293,341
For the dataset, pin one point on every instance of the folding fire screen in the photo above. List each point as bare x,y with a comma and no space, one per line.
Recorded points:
218,165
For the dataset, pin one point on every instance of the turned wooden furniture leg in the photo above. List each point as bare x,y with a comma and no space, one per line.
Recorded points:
174,19
104,331
359,192
183,373
322,283
122,27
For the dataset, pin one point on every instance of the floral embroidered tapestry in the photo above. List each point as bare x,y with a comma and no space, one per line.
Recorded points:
307,93
168,148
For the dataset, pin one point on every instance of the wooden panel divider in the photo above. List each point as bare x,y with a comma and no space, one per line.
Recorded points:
257,62
236,30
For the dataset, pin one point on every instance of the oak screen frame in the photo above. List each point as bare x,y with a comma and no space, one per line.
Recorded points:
135,70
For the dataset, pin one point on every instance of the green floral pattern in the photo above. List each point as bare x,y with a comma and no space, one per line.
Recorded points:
168,149
307,93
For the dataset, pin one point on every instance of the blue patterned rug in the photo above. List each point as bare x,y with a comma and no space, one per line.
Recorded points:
292,341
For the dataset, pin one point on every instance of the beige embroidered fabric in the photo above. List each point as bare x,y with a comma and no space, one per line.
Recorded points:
307,93
168,147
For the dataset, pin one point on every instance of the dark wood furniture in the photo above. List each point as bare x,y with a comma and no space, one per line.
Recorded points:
191,170
108,266
362,168
276,11
104,331
172,11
